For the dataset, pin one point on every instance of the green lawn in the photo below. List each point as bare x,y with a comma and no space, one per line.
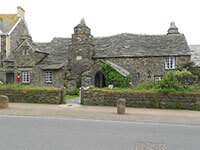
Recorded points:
25,87
71,96
146,90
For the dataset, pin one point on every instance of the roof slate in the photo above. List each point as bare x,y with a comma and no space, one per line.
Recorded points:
122,45
7,22
58,50
51,67
132,45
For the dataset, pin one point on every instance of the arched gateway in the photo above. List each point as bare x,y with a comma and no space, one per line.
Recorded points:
99,80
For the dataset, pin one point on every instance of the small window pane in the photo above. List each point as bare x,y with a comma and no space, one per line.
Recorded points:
48,77
157,79
170,63
26,77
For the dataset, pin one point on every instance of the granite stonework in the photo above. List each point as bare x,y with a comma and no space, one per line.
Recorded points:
141,99
33,96
4,101
78,59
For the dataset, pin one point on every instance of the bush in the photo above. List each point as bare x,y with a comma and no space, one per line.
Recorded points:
177,80
73,92
186,78
191,67
145,85
113,77
169,81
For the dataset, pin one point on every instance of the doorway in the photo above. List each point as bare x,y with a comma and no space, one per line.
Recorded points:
99,80
9,78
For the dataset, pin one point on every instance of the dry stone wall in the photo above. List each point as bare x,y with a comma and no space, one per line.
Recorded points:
33,96
141,99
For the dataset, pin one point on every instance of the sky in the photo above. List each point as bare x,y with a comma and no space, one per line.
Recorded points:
47,19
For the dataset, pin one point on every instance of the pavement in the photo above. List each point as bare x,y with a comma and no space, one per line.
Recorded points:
73,109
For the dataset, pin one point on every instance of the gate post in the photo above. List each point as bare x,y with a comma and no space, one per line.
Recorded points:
121,105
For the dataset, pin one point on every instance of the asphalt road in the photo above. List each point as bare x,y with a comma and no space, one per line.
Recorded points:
62,133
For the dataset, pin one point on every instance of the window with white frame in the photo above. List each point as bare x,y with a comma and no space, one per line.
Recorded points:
25,77
157,79
25,52
48,77
170,62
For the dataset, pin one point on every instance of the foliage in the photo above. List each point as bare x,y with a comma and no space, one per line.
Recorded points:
113,77
169,81
145,85
191,67
176,105
186,78
73,92
71,96
195,70
21,86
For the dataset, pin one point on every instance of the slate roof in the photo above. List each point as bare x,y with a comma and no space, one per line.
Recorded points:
122,45
10,58
53,66
132,45
58,50
7,22
195,54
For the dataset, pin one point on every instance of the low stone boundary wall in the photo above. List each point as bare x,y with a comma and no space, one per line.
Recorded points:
33,95
141,99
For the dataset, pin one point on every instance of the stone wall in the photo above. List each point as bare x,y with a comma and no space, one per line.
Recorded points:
141,69
33,96
141,99
146,68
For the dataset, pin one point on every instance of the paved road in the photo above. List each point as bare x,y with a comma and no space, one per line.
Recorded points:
18,132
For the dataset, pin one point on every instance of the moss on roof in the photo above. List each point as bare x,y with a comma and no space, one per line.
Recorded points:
7,22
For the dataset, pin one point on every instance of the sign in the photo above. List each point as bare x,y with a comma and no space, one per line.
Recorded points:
88,79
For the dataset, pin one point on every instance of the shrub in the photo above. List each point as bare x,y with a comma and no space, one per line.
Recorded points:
186,78
145,85
191,67
73,92
114,77
169,81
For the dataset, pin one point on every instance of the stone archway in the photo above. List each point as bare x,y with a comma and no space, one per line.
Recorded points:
99,80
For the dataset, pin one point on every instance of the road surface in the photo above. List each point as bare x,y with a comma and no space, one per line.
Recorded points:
37,132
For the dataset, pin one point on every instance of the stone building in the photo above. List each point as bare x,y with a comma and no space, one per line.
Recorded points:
75,60
12,26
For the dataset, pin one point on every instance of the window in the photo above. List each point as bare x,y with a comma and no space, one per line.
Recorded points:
49,77
25,77
25,52
78,57
157,79
170,63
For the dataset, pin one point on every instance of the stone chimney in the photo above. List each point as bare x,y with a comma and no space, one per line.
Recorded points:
20,12
173,29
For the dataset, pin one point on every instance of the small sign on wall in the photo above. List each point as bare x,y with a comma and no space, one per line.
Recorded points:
88,79
79,58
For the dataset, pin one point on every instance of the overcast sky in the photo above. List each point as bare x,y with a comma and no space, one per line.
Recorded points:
56,18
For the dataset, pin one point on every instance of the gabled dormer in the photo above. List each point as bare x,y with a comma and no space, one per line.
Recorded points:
27,53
